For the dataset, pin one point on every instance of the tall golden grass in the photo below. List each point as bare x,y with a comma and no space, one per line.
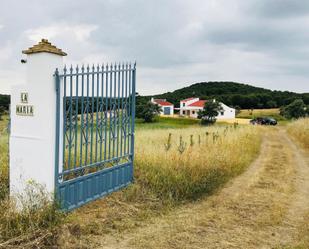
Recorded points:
299,129
171,166
32,225
4,169
184,164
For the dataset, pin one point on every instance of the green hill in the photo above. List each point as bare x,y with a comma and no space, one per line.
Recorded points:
233,94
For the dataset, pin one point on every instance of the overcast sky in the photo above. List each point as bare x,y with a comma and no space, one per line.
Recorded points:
175,43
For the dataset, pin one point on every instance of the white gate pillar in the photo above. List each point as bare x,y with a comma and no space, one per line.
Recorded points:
33,120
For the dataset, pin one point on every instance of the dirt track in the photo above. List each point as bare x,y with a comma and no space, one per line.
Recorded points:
266,207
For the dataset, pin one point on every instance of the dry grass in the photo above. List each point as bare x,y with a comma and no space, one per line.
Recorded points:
34,226
195,161
261,208
167,173
4,169
299,129
31,223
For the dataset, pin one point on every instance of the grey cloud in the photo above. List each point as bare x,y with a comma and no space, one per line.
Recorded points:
175,42
279,8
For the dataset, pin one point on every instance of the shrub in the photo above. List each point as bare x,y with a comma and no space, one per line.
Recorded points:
296,109
147,111
210,112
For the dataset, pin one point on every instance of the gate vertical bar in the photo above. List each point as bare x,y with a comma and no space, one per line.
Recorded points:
57,81
97,116
102,110
130,109
114,111
126,108
118,112
87,118
76,118
64,113
82,119
106,112
133,111
110,111
70,114
92,114
122,131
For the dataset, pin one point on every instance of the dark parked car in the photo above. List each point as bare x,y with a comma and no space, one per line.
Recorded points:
264,121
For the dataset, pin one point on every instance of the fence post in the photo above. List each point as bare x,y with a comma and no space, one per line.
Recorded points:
33,126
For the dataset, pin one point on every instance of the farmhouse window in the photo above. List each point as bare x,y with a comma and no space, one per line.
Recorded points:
193,112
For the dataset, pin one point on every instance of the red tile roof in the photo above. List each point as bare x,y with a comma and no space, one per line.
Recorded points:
199,103
188,99
162,102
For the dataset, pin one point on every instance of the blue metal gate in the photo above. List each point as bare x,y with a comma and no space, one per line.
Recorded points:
94,132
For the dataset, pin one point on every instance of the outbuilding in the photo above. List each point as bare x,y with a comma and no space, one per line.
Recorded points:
167,108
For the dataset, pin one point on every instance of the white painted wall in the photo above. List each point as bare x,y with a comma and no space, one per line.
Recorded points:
162,108
228,112
189,102
193,111
32,139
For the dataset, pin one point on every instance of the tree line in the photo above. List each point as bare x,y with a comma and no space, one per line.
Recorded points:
233,94
5,101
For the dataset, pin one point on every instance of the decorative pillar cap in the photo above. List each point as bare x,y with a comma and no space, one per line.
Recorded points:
44,46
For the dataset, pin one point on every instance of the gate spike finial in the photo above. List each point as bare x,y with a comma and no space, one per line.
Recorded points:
71,68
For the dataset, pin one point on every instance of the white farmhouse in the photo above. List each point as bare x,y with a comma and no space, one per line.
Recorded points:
191,106
167,108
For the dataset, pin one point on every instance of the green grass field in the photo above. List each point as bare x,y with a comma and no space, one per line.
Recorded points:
167,123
